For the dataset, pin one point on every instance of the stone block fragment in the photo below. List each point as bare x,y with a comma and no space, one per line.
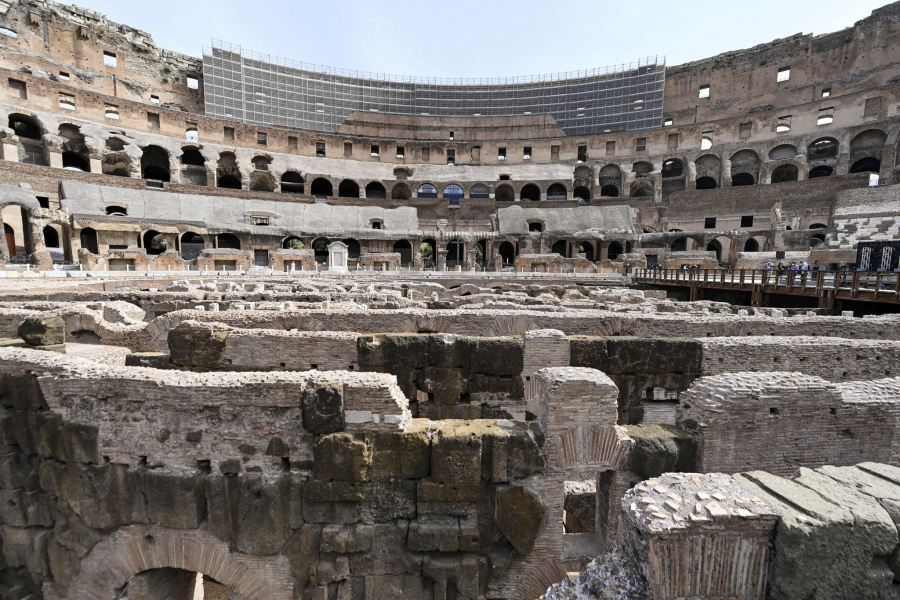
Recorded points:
520,517
43,331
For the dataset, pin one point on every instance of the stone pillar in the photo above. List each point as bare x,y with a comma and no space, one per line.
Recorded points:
11,149
4,247
337,257
96,165
725,174
55,155
691,182
441,260
471,255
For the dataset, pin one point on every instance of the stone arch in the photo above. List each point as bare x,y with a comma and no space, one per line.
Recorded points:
30,145
400,191
826,147
116,164
479,191
513,325
642,188
135,549
88,238
867,144
821,171
610,178
76,155
427,190
786,172
292,183
708,166
560,247
557,192
261,181
614,250
504,193
228,175
321,187
155,164
348,189
609,191
375,191
751,245
530,192
51,237
507,252
744,167
673,167
783,152
582,193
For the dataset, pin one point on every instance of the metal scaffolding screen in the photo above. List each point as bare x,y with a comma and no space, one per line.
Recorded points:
264,90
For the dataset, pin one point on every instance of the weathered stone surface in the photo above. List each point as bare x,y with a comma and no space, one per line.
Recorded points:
64,564
654,356
194,347
456,453
43,331
343,457
323,409
152,360
589,352
520,516
69,442
437,533
660,449
103,496
173,500
496,356
381,352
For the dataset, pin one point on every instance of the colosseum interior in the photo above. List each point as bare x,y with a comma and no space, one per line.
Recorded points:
272,332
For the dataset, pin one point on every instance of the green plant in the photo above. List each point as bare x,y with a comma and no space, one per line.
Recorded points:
426,250
165,80
167,69
177,78
295,245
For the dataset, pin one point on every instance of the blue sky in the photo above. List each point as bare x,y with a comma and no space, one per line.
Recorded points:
471,38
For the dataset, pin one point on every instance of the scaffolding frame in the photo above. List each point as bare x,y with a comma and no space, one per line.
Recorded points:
263,90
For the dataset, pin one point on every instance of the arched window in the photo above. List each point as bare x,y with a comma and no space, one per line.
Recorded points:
376,191
75,162
587,248
818,226
672,168
530,192
715,246
504,193
292,243
822,148
479,190
229,182
88,240
823,171
426,190
866,165
292,183
427,250
456,252
348,189
784,173
51,237
321,187
320,247
30,147
401,191
453,192
191,245
556,192
560,247
782,152
24,127
642,188
742,179
118,211
706,183
404,248
582,193
615,249
154,242
507,253
751,246
155,164
192,156
352,248
228,240
609,191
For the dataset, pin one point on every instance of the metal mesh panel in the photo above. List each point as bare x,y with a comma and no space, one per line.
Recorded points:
265,90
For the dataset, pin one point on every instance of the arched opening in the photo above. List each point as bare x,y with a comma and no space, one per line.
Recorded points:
866,165
817,240
784,173
117,211
582,193
426,190
427,249
641,168
453,192
154,242
672,168
642,188
456,252
88,241
376,191
679,245
556,192
51,237
191,245
706,183
292,183
404,248
822,171
320,248
321,187
31,146
347,189
715,246
401,191
261,181
742,179
479,191
155,164
118,165
530,192
504,193
261,163
818,226
228,240
75,162
353,248
507,253
292,243
822,148
614,250
587,248
228,182
191,156
783,152
751,245
560,247
169,583
609,191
